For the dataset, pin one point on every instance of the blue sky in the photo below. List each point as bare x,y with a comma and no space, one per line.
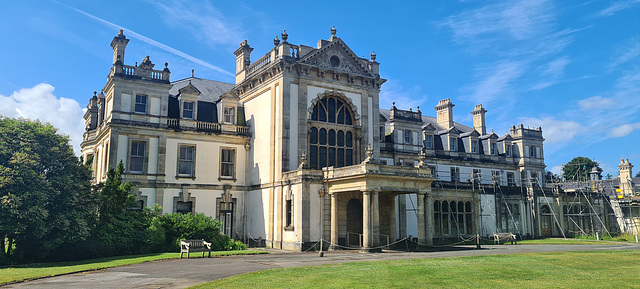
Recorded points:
572,67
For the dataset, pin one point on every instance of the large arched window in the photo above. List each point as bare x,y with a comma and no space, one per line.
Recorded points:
331,134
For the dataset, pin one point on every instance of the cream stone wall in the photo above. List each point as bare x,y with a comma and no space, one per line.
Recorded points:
258,111
293,128
207,162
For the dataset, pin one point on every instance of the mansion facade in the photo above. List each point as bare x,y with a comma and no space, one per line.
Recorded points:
298,150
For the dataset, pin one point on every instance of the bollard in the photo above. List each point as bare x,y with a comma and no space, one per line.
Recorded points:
636,238
321,254
597,237
477,241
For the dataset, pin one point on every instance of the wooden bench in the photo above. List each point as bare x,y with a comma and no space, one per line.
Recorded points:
189,246
504,236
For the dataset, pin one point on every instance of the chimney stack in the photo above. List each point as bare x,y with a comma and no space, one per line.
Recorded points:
444,111
478,119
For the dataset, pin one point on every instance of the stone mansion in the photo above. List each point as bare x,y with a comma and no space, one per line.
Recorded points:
299,150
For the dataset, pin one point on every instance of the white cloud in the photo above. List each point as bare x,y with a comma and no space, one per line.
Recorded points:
493,81
596,103
202,20
624,130
553,72
39,102
556,170
556,131
628,51
405,98
518,19
617,7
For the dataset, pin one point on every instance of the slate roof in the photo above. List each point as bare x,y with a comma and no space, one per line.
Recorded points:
430,120
210,90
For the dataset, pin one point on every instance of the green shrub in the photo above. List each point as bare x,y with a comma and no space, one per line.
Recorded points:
166,231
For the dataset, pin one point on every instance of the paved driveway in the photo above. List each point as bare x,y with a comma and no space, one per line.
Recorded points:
181,273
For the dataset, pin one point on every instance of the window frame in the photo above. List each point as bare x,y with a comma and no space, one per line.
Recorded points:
230,113
192,110
511,179
224,163
455,174
493,148
180,160
475,146
428,141
407,136
453,144
142,157
532,152
143,104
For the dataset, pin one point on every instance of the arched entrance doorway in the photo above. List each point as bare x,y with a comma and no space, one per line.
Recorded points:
545,218
354,222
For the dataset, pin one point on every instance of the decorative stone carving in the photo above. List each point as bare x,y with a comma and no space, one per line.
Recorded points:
303,161
369,153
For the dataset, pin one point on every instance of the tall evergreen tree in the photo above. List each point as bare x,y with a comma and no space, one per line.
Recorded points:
45,191
579,168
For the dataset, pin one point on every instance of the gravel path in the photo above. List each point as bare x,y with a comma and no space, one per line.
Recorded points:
181,273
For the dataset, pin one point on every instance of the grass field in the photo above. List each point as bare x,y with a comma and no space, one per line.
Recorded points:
31,271
593,269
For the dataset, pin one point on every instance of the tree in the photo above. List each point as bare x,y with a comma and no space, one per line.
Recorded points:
119,229
45,191
608,177
579,168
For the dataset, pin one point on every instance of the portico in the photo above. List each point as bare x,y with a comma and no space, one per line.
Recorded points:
377,187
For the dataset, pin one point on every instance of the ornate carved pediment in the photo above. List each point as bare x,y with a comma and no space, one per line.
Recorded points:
337,57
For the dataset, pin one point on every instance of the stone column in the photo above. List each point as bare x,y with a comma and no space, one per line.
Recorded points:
366,221
421,226
392,219
429,219
334,222
375,220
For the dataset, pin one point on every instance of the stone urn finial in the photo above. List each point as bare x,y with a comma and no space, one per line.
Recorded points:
369,153
276,41
303,161
333,32
373,56
422,156
285,36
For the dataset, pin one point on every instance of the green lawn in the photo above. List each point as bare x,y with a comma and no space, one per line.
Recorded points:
31,271
594,269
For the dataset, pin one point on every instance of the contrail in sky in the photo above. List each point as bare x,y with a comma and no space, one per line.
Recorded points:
150,41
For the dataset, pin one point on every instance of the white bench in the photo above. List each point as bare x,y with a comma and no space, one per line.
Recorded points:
504,236
189,246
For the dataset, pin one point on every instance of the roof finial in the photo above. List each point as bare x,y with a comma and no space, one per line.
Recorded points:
285,36
276,41
393,104
373,55
333,32
192,71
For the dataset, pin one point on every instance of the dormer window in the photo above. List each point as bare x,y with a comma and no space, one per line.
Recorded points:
141,104
428,141
494,150
507,150
474,146
229,115
452,143
188,108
